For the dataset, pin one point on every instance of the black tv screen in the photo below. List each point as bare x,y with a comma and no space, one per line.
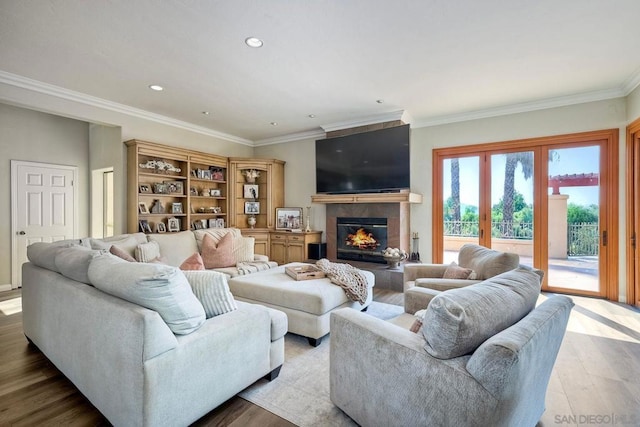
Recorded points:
364,163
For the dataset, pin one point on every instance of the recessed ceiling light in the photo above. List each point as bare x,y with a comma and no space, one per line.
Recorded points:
380,101
206,113
156,87
312,116
274,123
253,42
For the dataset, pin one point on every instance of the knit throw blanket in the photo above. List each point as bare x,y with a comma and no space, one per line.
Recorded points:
349,278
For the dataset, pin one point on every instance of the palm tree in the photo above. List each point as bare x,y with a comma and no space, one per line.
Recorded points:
525,158
455,195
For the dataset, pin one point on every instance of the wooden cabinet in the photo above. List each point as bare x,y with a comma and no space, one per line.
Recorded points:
173,189
268,190
289,247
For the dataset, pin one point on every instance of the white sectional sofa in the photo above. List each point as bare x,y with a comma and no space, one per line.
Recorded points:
142,356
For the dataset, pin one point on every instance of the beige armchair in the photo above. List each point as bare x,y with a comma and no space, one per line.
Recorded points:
476,263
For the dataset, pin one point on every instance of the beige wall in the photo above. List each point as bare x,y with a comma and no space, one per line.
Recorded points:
38,137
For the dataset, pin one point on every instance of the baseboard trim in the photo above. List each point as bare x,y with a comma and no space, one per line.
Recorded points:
5,288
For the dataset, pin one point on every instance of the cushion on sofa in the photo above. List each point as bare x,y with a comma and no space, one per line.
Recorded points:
175,247
486,262
243,249
212,290
126,242
158,287
73,262
147,252
218,255
43,254
459,320
120,253
215,233
454,271
194,262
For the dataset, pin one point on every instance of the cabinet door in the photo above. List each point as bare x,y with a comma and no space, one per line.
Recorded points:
279,251
295,252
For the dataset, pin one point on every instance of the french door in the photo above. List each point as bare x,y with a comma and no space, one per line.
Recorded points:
551,200
633,212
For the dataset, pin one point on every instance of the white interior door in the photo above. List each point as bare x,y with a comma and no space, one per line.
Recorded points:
43,208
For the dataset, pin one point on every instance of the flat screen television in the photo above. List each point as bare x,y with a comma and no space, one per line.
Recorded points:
368,162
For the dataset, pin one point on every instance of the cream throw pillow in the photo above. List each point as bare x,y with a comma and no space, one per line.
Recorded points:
212,290
243,249
147,252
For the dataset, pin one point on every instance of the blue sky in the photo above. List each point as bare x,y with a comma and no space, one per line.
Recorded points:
568,161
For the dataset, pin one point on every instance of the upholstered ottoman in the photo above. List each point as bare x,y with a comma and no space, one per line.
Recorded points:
307,303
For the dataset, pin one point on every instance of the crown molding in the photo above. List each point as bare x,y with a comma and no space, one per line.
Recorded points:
561,101
292,137
631,83
368,120
70,95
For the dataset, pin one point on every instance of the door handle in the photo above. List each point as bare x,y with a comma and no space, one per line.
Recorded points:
21,233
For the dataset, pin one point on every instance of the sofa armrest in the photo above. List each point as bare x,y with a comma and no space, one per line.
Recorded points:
444,284
415,271
380,374
259,257
418,298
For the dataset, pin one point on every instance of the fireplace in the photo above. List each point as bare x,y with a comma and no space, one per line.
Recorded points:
361,239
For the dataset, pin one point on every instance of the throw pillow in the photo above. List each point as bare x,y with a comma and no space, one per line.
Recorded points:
459,320
126,242
147,252
417,324
454,271
157,287
121,253
212,290
194,262
43,254
220,255
243,249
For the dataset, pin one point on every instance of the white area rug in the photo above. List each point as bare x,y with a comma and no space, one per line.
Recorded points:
300,394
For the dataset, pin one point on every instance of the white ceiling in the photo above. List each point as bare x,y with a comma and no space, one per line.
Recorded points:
438,60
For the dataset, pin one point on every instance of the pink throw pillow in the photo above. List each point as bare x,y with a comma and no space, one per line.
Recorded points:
456,272
121,253
194,262
218,256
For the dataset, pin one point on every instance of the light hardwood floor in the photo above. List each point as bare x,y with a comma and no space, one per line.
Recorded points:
596,380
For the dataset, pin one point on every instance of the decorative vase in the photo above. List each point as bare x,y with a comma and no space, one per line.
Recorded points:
394,261
251,221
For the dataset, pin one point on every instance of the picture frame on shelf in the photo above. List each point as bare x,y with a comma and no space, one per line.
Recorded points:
196,224
206,174
173,224
219,222
160,188
142,208
144,226
176,208
213,223
193,191
204,223
161,228
288,218
252,208
145,189
251,191
215,192
217,174
174,187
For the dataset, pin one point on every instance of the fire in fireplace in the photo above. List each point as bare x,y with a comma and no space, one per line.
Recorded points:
361,239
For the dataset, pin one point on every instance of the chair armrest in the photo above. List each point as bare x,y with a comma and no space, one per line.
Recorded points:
418,299
415,271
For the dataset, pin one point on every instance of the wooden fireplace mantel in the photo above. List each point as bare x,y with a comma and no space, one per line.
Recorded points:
399,197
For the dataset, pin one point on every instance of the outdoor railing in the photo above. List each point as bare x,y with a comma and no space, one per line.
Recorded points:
582,238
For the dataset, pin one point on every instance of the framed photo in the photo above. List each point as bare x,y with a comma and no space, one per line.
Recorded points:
206,174
161,228
160,188
288,218
204,223
176,208
142,208
173,224
252,208
193,191
144,226
145,188
251,191
213,223
217,174
215,192
174,187
220,223
196,225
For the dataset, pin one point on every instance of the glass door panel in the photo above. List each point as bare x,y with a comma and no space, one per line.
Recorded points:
574,219
461,201
512,204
